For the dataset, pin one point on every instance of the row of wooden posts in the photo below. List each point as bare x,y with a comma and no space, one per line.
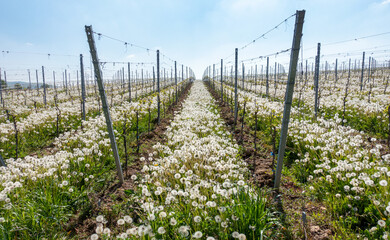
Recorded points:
289,92
98,75
99,82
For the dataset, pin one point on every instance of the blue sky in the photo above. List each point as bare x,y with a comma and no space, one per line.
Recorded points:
196,33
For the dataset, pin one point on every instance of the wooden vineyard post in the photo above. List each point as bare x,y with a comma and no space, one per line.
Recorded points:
44,85
176,80
98,75
36,76
82,85
66,82
235,88
1,90
2,163
267,79
54,84
255,79
243,76
136,84
275,79
129,82
221,80
63,80
123,82
5,81
142,78
335,73
158,86
300,15
388,134
29,79
362,74
213,76
182,78
316,76
369,74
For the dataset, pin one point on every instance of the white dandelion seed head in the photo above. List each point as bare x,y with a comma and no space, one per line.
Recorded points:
197,234
161,230
383,183
382,223
235,234
242,236
94,236
162,214
121,222
197,219
100,218
128,219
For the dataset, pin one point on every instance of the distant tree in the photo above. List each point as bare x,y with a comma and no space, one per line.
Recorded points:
3,84
18,86
46,85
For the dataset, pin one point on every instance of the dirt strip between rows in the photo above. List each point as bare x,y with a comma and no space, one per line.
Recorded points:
83,226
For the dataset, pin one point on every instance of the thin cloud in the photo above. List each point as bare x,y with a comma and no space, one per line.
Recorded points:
385,2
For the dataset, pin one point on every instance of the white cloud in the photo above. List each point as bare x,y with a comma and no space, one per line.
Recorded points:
385,2
29,44
130,56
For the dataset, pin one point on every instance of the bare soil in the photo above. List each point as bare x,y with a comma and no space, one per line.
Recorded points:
259,160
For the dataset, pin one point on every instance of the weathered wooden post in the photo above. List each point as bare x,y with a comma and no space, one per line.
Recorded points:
1,90
154,79
362,74
2,162
300,15
182,78
66,82
176,80
221,80
98,75
267,79
129,82
256,79
82,85
29,79
158,86
213,76
44,85
36,76
335,72
54,82
316,77
243,76
235,88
